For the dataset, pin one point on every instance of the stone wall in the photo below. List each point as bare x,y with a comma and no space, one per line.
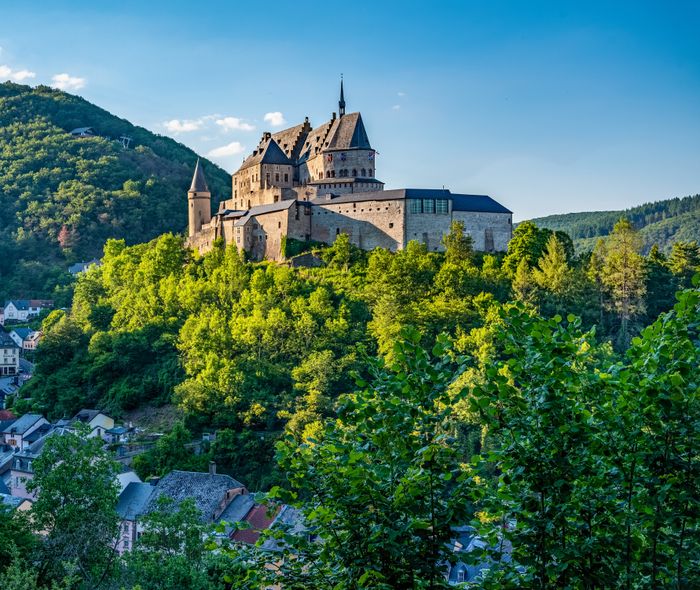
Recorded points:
490,231
370,224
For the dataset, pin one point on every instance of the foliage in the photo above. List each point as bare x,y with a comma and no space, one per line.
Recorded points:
77,495
62,197
661,222
388,457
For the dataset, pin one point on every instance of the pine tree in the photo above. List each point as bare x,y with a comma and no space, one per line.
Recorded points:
624,277
554,274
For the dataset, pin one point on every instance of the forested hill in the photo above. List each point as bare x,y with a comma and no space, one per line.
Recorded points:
661,223
62,197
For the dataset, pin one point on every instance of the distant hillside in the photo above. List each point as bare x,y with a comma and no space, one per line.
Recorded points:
61,197
661,222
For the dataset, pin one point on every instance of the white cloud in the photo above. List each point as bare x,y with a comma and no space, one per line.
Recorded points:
182,126
234,124
396,107
232,149
275,119
67,82
401,93
7,73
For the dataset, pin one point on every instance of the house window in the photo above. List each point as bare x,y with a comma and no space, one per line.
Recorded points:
337,231
414,206
442,207
428,206
460,575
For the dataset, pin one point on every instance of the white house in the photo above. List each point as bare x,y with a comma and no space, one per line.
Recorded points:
9,355
21,310
98,422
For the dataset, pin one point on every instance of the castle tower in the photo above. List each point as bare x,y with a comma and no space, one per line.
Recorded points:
341,102
199,201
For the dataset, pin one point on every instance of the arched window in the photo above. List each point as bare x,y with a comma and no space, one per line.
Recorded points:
354,171
328,174
369,173
332,173
364,173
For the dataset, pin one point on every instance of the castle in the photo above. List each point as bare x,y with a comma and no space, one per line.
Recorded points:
314,183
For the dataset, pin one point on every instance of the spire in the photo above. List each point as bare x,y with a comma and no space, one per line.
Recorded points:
341,102
199,183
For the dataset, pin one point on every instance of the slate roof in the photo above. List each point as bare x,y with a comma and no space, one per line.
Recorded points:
460,202
291,140
23,333
3,487
206,489
6,341
199,183
11,501
21,425
349,133
133,501
267,152
262,209
20,304
237,509
86,415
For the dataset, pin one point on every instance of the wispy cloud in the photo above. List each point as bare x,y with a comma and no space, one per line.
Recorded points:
234,124
7,73
67,82
275,118
182,125
396,107
400,94
232,149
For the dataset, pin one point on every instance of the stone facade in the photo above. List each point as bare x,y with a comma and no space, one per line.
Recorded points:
311,183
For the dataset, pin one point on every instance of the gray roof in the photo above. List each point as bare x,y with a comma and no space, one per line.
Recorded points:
21,425
267,152
206,489
237,509
6,341
134,500
23,333
349,133
20,304
199,183
262,209
460,202
3,487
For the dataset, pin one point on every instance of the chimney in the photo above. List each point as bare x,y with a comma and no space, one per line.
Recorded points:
212,467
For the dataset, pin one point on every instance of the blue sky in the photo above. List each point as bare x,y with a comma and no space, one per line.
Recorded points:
549,107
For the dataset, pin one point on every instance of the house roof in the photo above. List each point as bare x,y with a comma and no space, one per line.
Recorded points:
133,501
206,489
81,130
263,209
199,182
35,435
21,425
7,415
259,518
86,416
267,152
6,341
348,133
460,202
3,487
12,501
20,304
237,509
23,333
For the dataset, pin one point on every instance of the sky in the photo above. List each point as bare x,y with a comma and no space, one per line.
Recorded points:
549,107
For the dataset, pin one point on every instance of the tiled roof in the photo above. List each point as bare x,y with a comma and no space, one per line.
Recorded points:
259,518
267,152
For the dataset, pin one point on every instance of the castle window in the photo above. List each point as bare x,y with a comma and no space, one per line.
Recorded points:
442,207
279,224
428,206
332,173
414,206
277,176
391,225
354,171
363,172
370,173
286,177
337,231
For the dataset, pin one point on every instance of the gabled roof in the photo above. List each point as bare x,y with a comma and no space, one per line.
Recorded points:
199,183
133,501
13,502
267,152
6,341
349,133
21,425
23,333
259,518
86,416
20,304
262,209
207,490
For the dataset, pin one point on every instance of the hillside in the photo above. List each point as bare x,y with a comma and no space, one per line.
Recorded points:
62,197
661,223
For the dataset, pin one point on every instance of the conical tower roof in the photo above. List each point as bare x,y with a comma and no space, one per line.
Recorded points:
199,183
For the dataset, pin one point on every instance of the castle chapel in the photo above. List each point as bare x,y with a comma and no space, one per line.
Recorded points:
315,183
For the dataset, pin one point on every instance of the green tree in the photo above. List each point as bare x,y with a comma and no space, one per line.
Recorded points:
684,262
528,242
459,245
622,274
75,480
387,457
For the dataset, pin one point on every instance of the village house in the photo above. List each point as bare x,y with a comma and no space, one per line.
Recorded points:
26,338
81,267
9,355
21,310
97,422
16,434
32,341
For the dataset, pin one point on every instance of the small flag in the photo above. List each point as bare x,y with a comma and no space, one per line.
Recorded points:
342,157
